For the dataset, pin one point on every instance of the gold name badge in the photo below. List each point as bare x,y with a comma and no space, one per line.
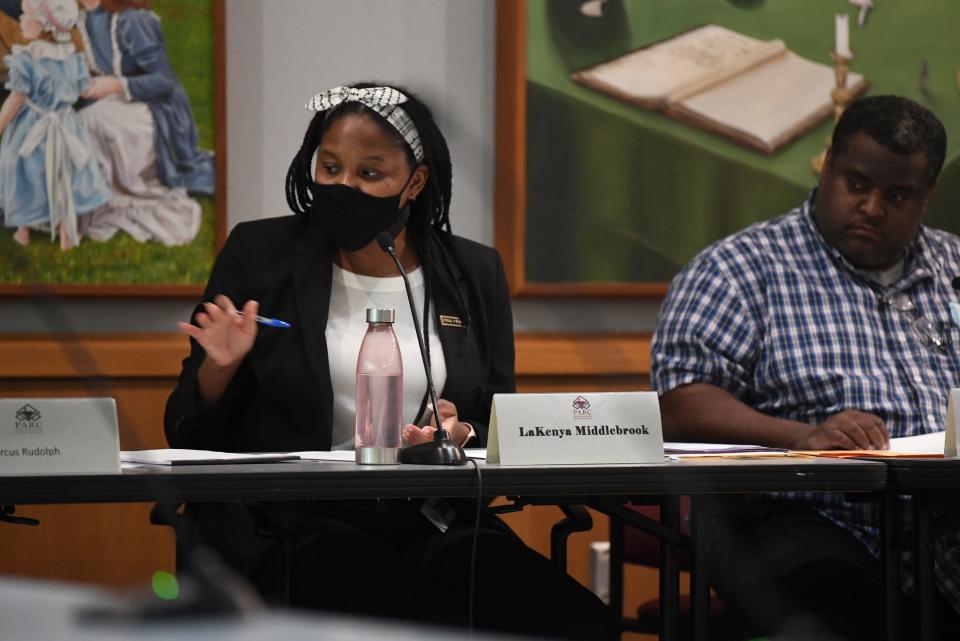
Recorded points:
450,321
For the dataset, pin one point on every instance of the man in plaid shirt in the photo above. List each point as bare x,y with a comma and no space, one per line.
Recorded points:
826,328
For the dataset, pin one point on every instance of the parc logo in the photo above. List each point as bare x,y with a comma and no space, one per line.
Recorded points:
581,408
28,420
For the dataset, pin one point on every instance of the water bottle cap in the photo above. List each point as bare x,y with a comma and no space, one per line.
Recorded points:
380,315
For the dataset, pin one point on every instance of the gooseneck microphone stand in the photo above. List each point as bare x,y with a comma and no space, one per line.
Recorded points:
441,450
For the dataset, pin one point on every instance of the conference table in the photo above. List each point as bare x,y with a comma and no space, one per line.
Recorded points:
607,488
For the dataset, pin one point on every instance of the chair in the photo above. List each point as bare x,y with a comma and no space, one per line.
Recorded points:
634,546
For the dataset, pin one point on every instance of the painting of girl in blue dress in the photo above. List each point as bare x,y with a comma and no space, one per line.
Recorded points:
48,177
147,115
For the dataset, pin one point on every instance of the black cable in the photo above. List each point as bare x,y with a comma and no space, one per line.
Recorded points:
473,548
386,244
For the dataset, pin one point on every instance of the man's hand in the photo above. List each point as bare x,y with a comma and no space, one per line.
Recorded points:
848,430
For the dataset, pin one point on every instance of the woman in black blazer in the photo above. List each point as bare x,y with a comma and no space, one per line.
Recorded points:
372,160
280,396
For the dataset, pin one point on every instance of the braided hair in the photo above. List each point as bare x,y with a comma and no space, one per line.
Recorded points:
431,209
429,220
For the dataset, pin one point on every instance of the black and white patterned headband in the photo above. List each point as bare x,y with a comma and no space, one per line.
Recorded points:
385,101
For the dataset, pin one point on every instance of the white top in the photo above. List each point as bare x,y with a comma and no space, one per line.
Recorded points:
889,276
350,296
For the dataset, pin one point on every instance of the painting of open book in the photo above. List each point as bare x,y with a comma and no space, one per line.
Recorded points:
756,92
632,135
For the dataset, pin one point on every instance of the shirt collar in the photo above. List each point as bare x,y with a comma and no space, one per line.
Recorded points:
921,261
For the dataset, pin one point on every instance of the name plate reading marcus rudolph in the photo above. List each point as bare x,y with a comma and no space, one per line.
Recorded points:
58,436
587,428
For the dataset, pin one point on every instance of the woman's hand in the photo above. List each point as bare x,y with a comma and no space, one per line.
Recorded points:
101,87
457,429
226,336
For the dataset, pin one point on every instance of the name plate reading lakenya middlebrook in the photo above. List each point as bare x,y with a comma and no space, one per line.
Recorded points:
58,436
585,428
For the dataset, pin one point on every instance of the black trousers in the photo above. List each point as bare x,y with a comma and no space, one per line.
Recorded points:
386,559
790,572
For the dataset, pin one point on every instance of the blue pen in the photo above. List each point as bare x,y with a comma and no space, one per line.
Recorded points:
270,322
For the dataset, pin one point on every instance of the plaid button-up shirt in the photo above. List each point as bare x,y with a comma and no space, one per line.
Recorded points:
778,318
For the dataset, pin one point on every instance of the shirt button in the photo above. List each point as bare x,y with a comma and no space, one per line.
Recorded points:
918,378
903,338
932,419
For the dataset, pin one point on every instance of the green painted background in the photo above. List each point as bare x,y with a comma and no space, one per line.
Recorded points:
619,193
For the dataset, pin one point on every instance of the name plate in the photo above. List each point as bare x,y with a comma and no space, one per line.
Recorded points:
587,428
58,436
951,440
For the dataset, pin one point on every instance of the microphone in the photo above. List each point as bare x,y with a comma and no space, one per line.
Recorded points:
441,450
955,282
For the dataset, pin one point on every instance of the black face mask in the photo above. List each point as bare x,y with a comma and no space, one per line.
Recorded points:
352,219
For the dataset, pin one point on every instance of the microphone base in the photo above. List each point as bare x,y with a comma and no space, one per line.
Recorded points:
434,453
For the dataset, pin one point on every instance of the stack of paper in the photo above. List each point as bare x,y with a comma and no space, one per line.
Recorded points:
719,449
201,457
920,446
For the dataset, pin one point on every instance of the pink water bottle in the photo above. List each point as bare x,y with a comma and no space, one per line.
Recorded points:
379,391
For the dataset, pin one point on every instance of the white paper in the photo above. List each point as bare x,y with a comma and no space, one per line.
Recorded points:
322,455
931,443
349,455
177,456
715,448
